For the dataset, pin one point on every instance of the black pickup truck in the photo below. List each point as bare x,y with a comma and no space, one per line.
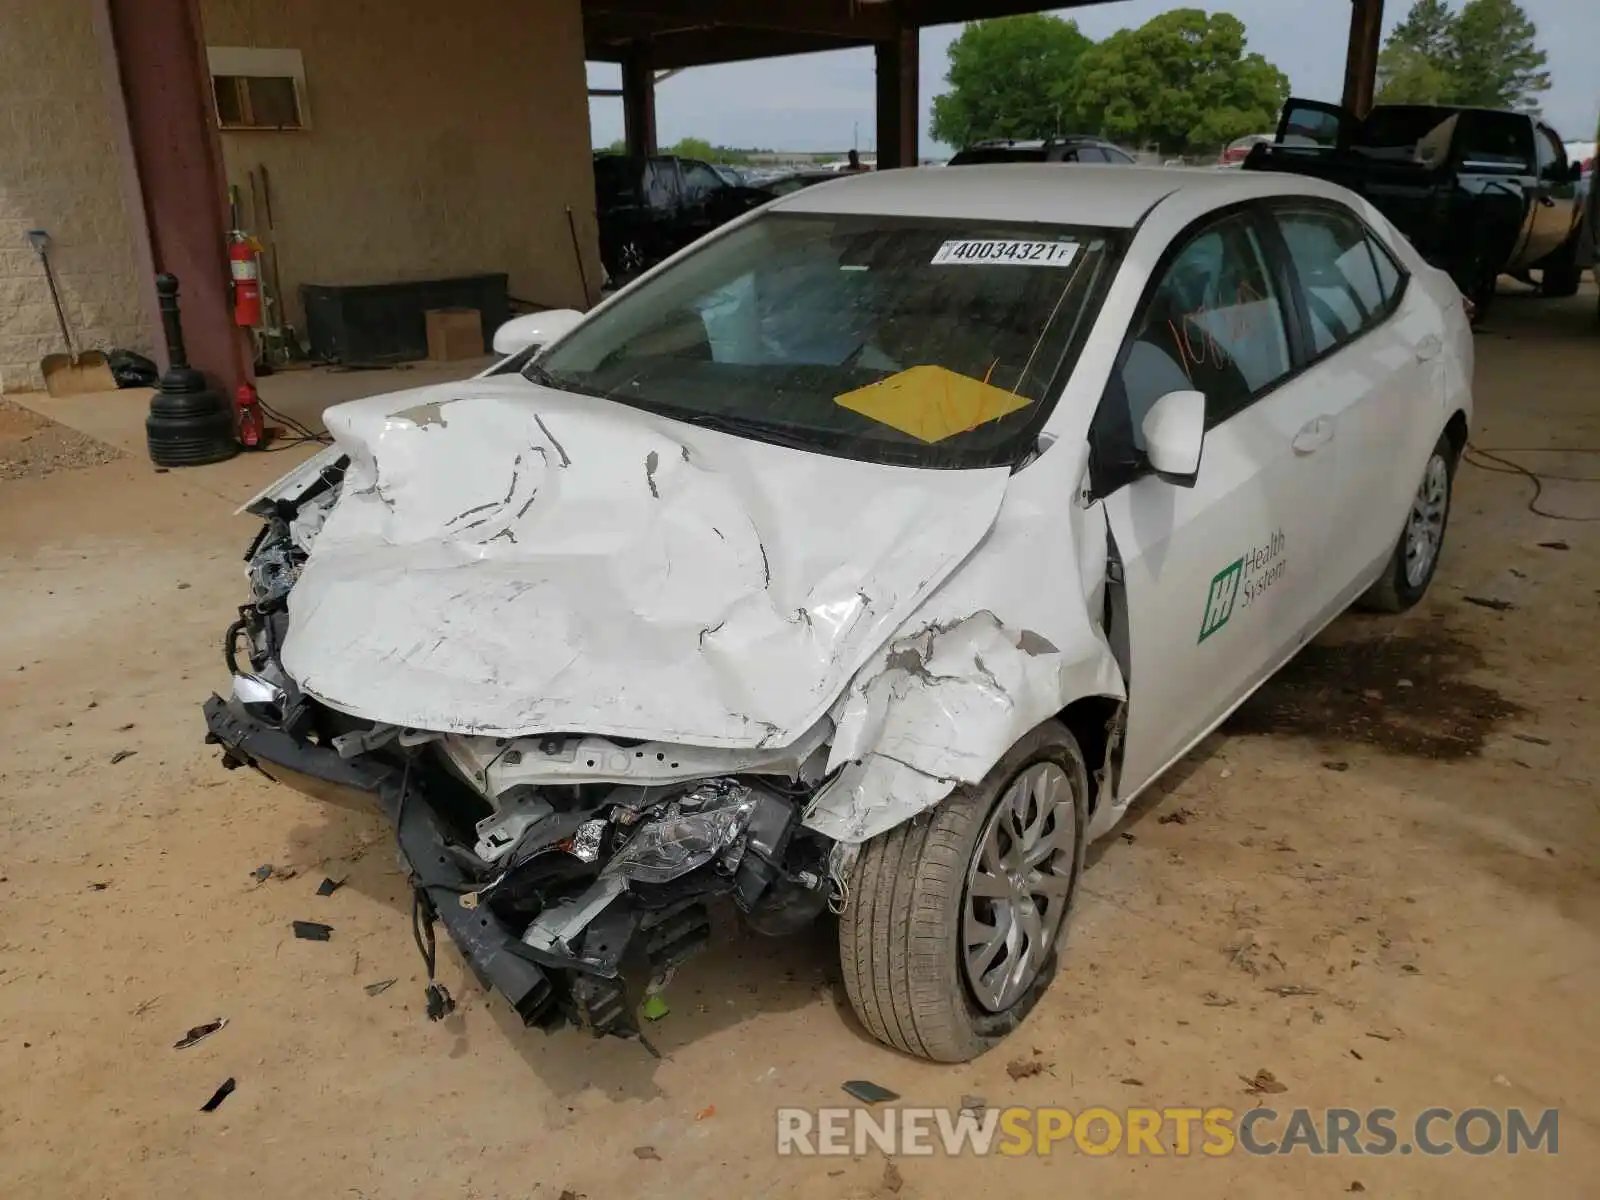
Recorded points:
1480,192
652,207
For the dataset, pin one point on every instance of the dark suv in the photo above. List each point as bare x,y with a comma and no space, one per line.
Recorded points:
652,207
1056,150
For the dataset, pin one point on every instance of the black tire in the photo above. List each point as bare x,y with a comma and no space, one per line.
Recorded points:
900,937
1560,274
1394,592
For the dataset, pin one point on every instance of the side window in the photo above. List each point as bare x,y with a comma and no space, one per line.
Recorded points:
1090,154
661,183
1495,139
1339,279
1389,277
699,181
1117,156
1551,154
1213,324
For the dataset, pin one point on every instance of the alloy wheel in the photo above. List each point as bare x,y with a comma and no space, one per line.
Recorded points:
1018,885
1425,528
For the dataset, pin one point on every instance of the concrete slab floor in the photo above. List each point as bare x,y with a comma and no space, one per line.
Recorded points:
1400,834
303,395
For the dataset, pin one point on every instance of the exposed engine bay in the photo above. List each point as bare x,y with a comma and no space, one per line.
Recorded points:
589,859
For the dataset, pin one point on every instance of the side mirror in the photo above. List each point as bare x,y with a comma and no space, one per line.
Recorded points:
1174,432
535,329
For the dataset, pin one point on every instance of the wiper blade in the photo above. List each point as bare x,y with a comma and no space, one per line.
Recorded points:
536,372
745,427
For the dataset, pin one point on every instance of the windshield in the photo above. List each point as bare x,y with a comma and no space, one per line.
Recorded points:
930,342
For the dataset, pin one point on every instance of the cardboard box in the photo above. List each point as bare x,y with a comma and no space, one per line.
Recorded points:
454,333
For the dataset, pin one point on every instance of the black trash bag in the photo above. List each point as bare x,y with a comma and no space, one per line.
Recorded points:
131,369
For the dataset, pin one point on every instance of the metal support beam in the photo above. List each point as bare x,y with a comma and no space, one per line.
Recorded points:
835,18
703,47
159,57
639,101
897,100
1361,59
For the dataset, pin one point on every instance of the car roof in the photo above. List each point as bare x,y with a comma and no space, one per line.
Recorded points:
1065,139
1110,196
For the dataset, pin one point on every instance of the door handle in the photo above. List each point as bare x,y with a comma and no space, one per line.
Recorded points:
1313,434
1428,347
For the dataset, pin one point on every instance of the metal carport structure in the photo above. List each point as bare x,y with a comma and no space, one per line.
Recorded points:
176,186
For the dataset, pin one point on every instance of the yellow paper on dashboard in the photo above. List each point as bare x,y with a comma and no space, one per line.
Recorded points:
931,403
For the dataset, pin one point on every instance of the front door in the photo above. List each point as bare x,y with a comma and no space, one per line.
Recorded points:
1218,577
1315,123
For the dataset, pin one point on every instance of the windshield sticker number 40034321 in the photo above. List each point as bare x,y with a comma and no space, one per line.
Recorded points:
1004,252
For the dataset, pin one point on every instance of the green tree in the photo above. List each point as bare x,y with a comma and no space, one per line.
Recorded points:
1486,55
1408,76
617,147
693,147
1182,81
1008,77
1414,66
1495,57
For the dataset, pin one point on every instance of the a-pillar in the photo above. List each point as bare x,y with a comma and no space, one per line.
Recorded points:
177,189
897,100
1361,60
639,101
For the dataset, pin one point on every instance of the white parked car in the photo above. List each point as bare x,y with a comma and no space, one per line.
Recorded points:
872,553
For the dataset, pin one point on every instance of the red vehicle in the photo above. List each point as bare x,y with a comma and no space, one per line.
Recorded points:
1239,149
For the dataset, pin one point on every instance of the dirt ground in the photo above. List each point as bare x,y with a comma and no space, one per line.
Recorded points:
1404,824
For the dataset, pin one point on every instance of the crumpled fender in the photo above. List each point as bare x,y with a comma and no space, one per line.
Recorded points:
1010,640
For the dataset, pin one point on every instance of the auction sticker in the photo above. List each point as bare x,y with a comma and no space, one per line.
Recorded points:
1005,252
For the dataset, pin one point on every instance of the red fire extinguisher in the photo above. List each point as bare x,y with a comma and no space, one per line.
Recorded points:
246,272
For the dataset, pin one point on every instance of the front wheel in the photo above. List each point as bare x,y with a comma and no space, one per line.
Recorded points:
950,934
1416,555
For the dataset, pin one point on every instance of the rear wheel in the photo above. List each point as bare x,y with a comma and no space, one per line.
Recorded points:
1416,555
950,934
1560,274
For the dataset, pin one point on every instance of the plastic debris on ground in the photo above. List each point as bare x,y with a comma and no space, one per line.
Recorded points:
312,931
868,1092
329,886
199,1033
379,988
655,1007
218,1096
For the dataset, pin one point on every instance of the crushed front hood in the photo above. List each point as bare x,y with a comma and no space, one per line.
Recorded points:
510,560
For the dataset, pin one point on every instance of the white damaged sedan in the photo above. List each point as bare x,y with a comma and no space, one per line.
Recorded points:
870,555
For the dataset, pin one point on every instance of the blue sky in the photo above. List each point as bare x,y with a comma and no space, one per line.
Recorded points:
824,101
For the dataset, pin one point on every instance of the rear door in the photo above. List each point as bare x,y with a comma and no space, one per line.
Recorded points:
1374,367
1555,211
1218,576
1496,155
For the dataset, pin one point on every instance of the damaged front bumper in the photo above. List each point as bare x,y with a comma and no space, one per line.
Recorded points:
591,904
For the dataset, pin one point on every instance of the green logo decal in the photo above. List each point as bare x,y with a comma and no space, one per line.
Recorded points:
1219,601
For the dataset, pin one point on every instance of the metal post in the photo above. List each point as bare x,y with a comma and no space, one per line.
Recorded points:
639,101
897,100
159,59
1361,58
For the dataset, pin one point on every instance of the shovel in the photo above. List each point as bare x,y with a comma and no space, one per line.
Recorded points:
72,373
